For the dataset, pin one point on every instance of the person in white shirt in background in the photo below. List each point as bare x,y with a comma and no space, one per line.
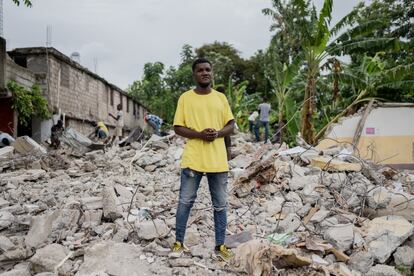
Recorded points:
252,121
264,109
119,121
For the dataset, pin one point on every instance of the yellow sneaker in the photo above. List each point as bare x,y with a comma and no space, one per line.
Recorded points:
178,249
224,253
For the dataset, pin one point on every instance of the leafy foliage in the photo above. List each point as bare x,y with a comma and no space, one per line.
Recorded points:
303,71
28,103
27,3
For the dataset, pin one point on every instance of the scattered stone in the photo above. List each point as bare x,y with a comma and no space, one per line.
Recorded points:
26,145
340,235
181,262
385,234
274,206
84,200
17,272
49,257
6,244
331,164
361,261
41,228
6,219
289,224
113,259
319,216
151,229
383,270
110,204
404,256
299,182
91,203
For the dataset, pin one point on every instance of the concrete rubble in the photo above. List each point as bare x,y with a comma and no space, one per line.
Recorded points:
294,211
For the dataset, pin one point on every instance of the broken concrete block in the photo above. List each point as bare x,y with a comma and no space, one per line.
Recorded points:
235,240
6,152
181,262
379,197
404,256
361,261
20,176
6,244
340,235
91,203
48,257
383,270
192,236
319,216
65,224
385,234
299,182
110,204
91,218
3,203
149,159
383,202
40,229
113,259
6,219
151,229
26,145
274,206
17,272
332,165
290,224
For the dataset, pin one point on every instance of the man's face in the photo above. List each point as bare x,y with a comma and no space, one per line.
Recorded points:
203,74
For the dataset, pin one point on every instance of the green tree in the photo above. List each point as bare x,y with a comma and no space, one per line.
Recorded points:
28,103
27,3
368,79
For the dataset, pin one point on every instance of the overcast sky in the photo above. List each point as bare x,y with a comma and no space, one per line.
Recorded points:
122,35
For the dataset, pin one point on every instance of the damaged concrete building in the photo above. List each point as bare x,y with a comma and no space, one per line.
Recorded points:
72,91
382,132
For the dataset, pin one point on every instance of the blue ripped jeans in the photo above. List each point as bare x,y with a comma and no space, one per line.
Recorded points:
190,182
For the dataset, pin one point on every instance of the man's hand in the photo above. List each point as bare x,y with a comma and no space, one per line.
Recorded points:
208,134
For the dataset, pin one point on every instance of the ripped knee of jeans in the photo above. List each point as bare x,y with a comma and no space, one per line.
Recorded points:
220,208
189,202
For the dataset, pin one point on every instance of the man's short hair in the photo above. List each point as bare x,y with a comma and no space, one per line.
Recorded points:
199,61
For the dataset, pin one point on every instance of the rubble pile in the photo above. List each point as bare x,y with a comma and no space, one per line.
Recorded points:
296,211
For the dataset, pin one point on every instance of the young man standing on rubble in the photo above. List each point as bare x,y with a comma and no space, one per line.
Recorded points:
119,122
203,116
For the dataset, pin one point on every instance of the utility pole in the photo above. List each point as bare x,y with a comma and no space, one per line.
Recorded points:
1,18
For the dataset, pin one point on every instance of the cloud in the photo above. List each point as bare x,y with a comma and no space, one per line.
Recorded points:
124,35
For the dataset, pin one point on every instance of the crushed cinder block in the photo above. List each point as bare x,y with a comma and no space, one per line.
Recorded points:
331,164
26,145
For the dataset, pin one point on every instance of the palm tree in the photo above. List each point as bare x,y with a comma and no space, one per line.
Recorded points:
317,45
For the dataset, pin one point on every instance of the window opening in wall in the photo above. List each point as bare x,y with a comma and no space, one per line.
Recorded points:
64,75
134,109
127,103
22,61
121,101
112,97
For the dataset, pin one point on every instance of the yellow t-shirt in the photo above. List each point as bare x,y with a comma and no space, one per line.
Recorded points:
103,127
198,112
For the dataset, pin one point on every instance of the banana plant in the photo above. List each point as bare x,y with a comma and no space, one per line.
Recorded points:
368,78
281,75
240,102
